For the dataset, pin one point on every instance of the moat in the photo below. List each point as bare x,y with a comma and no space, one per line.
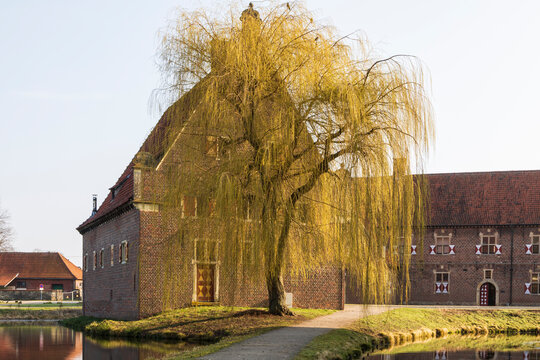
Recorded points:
54,342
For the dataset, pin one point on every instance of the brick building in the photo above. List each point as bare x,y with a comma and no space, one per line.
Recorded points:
132,265
481,246
27,271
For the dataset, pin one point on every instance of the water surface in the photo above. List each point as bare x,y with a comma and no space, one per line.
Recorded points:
54,342
466,347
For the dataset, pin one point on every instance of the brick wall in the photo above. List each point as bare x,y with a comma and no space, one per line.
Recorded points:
25,295
322,289
466,269
111,291
166,278
33,284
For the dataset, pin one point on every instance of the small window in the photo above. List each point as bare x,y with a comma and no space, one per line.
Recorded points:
101,263
442,244
214,147
441,277
211,146
442,282
95,261
85,262
535,283
112,255
124,251
21,285
189,206
488,244
535,241
488,274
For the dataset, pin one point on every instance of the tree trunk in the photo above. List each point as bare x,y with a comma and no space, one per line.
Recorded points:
276,296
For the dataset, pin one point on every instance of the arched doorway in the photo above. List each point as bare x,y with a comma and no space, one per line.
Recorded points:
488,294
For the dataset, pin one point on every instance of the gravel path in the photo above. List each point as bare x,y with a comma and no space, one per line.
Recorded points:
286,342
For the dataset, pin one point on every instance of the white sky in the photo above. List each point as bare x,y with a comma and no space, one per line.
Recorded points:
76,78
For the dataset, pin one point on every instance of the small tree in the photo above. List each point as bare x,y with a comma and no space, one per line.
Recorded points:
5,232
314,139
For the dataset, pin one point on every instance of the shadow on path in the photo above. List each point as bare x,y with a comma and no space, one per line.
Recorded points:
286,342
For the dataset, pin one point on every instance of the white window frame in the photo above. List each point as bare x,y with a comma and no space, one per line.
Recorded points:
533,246
124,252
442,282
535,274
439,238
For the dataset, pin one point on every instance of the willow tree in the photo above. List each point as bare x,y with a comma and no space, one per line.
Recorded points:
314,139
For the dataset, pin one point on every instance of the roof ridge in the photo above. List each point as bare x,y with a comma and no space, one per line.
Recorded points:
65,262
482,172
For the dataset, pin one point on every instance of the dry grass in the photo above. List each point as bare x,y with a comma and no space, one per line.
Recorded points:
196,324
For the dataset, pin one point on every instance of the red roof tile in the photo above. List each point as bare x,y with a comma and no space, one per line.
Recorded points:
6,278
48,265
485,198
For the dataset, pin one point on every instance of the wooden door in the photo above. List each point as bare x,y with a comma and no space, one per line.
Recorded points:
487,294
205,283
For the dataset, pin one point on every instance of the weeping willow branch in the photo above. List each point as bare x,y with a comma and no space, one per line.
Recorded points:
306,145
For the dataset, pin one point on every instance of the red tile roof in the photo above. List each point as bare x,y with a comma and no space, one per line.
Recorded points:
6,278
37,265
485,198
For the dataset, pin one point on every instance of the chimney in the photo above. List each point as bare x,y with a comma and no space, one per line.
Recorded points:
250,12
94,203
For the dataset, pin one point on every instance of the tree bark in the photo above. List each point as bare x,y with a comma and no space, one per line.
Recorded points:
276,296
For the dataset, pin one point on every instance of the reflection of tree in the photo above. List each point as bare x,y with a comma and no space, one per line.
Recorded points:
99,348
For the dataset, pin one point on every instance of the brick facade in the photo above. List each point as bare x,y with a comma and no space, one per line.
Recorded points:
112,290
511,269
503,206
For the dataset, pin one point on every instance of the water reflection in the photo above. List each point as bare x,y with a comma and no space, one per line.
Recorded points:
466,347
40,342
461,355
60,343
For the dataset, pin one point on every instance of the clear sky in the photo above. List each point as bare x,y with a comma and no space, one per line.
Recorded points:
76,78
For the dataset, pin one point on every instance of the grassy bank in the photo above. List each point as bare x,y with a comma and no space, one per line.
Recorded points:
214,326
408,325
39,314
39,311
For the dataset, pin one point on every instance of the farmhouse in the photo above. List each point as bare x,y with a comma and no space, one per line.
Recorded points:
481,245
27,271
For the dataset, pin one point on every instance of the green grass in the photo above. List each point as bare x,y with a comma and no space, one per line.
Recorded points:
39,314
408,325
209,327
